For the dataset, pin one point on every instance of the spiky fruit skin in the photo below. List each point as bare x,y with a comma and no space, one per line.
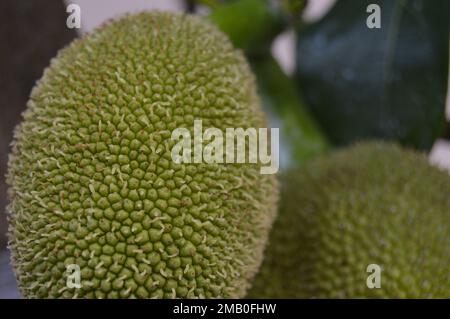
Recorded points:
370,204
92,181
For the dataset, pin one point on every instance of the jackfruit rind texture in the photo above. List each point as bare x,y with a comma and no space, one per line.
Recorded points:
373,203
93,184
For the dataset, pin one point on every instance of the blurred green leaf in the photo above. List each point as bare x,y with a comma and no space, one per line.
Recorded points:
300,138
250,24
293,8
386,83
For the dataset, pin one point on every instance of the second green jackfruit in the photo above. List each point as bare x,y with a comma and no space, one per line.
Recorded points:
372,204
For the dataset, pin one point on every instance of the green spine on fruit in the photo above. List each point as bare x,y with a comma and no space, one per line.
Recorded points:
373,203
92,181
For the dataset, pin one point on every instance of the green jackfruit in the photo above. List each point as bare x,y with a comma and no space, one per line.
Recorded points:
374,210
92,181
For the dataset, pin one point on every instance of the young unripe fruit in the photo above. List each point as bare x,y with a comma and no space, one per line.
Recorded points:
370,221
94,188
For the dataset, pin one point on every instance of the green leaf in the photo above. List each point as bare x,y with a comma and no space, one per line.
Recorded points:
387,83
250,24
300,137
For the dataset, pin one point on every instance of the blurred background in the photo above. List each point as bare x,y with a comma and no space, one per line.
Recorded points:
325,77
